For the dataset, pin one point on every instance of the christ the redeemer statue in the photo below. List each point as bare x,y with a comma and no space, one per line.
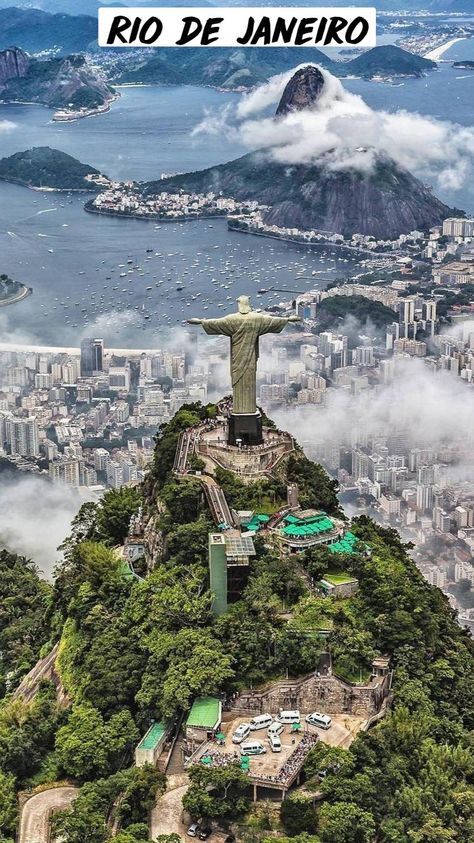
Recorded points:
244,329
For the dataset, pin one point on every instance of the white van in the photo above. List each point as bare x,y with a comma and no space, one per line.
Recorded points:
275,728
241,732
289,716
275,742
322,721
252,748
260,722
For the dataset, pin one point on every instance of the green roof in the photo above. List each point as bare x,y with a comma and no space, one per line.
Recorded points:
311,526
153,736
257,521
338,579
126,570
205,712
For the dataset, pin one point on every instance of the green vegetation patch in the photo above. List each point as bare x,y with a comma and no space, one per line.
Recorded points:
46,167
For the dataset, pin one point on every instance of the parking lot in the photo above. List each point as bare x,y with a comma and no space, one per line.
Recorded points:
342,732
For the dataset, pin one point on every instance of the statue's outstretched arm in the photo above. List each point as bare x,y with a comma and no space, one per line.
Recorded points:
223,325
275,324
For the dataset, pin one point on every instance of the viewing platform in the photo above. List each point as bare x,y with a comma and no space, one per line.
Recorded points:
249,463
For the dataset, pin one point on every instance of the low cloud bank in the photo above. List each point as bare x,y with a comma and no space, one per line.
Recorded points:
344,131
434,408
35,517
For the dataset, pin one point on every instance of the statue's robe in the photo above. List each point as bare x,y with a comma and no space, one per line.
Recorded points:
244,330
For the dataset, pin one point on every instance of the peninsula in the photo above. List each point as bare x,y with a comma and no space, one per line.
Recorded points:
68,84
12,291
384,203
243,69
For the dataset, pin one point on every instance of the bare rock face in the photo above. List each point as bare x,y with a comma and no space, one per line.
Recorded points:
302,91
56,82
14,64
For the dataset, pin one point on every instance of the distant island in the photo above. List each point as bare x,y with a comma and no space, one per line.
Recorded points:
67,84
243,69
464,65
43,168
12,291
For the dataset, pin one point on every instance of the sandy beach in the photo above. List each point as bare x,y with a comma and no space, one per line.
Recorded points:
436,54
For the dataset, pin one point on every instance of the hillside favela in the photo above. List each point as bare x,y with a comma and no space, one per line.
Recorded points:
237,434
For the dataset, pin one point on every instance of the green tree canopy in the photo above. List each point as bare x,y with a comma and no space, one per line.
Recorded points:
217,792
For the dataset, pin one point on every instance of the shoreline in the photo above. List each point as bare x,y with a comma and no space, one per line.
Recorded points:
65,116
350,250
38,189
437,52
313,245
23,294
151,217
68,117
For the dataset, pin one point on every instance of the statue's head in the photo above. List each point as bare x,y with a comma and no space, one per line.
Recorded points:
244,304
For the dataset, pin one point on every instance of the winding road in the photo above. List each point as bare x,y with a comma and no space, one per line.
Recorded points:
36,812
165,817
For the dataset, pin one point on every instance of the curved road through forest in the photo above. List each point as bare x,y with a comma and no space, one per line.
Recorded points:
165,817
36,812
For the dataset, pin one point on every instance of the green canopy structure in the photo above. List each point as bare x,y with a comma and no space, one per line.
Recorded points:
296,727
245,763
257,522
345,545
311,526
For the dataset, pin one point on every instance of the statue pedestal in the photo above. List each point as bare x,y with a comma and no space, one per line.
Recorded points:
245,429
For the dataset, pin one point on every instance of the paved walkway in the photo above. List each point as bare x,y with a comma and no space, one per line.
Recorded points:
37,810
165,817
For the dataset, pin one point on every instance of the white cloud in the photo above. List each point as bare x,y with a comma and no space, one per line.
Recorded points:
344,130
433,407
35,518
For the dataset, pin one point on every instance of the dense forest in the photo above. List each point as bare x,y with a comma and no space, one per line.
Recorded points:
46,167
333,310
134,650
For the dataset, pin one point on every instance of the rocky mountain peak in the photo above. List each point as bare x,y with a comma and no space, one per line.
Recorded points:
302,91
14,64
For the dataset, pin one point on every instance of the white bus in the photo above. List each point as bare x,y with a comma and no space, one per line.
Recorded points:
322,721
260,722
288,716
252,748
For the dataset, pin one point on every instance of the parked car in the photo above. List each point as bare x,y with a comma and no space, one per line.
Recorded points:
193,830
204,832
322,721
275,728
288,716
260,722
252,748
275,742
241,732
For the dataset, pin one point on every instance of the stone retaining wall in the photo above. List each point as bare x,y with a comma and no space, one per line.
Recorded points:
327,693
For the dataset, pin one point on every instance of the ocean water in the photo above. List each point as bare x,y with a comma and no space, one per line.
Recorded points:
71,259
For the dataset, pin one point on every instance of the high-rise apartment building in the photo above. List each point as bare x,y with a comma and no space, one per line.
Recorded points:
22,436
92,352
